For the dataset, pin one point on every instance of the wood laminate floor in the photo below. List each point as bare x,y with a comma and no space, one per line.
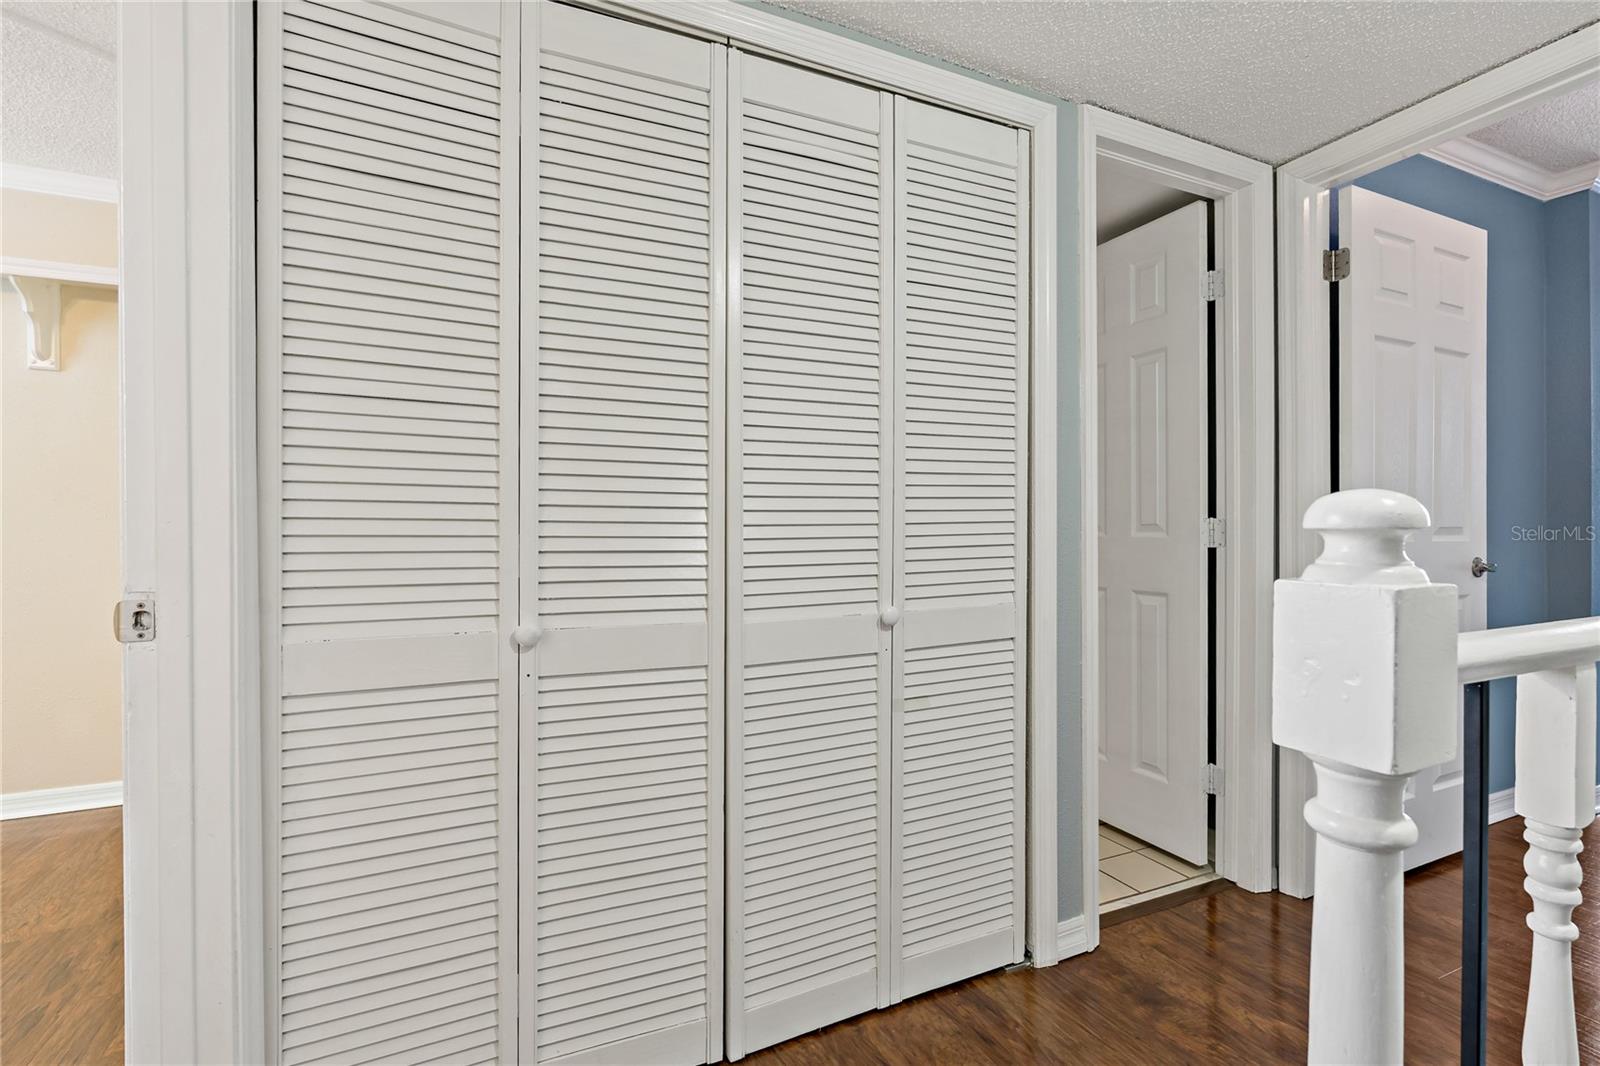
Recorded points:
1219,979
61,938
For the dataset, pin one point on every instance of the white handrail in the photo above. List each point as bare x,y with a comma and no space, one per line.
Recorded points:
1367,668
1507,652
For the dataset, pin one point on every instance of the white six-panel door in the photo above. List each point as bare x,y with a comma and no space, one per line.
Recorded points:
621,694
1154,473
388,328
1412,344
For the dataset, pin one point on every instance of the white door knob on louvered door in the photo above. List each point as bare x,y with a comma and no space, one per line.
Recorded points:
889,617
525,637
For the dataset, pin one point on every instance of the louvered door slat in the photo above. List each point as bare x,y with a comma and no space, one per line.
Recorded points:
809,561
388,355
961,314
622,796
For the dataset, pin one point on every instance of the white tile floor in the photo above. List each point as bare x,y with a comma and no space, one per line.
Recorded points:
1132,871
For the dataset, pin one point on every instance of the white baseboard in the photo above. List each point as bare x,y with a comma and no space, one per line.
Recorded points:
1501,804
1072,938
60,800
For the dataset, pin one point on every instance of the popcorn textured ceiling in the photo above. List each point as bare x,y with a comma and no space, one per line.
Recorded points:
1557,135
1271,80
58,86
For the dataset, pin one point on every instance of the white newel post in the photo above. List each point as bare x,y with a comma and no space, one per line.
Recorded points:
1555,796
1364,683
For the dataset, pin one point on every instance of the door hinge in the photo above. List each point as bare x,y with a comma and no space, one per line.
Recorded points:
1213,779
133,620
1216,532
1336,264
1213,285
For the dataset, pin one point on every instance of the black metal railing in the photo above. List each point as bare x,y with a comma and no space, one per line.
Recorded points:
1475,874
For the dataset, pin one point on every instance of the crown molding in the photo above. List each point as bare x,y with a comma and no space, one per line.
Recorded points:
60,183
1491,164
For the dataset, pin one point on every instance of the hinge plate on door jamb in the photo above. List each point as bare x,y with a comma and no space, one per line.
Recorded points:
1213,779
1216,533
1213,285
1336,264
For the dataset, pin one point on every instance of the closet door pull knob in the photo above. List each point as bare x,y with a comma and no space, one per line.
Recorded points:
889,617
525,637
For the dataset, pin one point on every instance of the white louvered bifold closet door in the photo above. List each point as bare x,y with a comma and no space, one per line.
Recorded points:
809,553
623,438
388,350
961,556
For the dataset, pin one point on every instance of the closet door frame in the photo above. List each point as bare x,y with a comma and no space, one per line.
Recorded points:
188,79
1048,937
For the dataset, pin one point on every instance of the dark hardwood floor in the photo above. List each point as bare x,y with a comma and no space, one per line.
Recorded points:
61,938
1221,979
1218,979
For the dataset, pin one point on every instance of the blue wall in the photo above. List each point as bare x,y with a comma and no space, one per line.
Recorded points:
1569,401
1594,399
1543,444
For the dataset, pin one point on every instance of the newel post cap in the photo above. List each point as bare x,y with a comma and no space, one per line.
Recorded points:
1363,538
1363,645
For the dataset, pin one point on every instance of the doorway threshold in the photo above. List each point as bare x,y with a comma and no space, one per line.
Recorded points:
1133,872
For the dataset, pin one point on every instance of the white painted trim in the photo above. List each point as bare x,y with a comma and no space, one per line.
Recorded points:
1557,68
193,837
1072,937
1241,189
1305,448
760,31
59,183
1500,803
54,270
60,800
1491,164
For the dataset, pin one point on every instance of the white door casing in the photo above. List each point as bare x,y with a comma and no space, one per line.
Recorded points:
1412,364
1154,473
621,805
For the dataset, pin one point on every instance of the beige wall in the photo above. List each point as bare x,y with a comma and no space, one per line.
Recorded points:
60,668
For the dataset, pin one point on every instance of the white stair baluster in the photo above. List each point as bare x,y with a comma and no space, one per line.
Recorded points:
1368,717
1555,796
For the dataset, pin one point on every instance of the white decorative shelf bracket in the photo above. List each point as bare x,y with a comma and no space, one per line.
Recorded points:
39,283
1364,683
